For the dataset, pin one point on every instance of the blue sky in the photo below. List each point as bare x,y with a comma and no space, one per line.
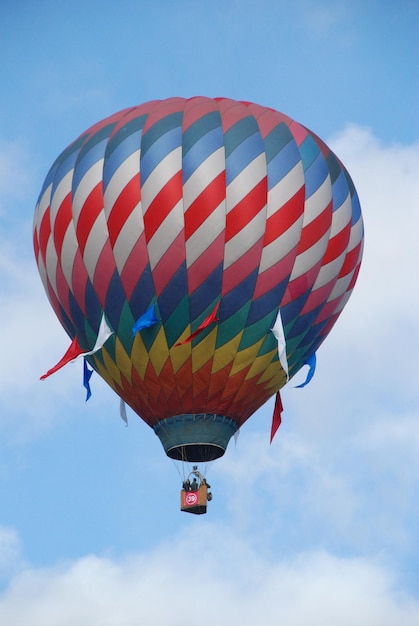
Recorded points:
321,526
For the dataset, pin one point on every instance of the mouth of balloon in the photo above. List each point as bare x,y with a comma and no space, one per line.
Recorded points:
195,437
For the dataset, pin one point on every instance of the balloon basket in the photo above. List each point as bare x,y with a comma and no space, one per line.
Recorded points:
194,501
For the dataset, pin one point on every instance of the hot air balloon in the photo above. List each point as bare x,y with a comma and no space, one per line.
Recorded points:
214,237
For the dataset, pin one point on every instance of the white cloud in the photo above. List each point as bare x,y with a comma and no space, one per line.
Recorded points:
212,577
10,553
344,490
377,334
388,187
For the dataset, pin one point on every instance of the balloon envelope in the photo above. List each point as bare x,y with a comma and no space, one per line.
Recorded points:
189,210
